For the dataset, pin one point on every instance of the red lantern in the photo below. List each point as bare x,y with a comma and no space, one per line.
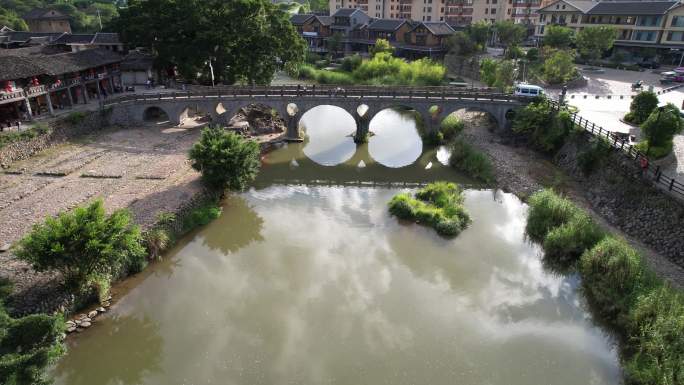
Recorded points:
8,86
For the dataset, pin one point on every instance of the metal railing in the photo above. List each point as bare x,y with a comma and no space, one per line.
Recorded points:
331,92
649,172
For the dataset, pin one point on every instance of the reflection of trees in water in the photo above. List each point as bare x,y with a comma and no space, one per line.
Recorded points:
134,344
238,226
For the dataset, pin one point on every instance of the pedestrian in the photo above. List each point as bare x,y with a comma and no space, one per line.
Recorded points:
643,162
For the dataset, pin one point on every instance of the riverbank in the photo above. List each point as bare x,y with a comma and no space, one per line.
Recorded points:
143,169
618,209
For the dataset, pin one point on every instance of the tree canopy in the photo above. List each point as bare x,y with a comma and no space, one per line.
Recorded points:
509,33
662,125
559,67
593,41
557,36
461,44
226,160
83,244
381,45
641,107
244,39
27,345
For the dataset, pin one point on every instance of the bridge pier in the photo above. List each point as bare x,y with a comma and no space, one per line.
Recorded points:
362,127
293,134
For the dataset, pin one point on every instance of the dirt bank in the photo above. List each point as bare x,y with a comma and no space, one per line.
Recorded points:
523,171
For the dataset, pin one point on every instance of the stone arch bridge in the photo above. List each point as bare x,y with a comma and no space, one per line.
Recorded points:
291,102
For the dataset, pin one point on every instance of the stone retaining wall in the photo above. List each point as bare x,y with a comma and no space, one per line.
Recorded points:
60,132
617,192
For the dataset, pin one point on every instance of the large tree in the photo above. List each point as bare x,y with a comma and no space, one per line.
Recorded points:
557,36
509,33
593,41
559,67
661,126
244,39
479,33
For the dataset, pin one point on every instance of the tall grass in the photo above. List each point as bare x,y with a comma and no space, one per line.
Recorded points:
613,275
439,205
548,211
645,312
450,127
471,161
382,69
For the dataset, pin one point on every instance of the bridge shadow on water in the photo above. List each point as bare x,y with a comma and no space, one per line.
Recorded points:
289,165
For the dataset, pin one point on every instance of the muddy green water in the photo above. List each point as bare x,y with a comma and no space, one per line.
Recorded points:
306,279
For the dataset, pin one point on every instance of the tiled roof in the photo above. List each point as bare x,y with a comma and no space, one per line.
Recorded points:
20,65
325,20
438,28
85,38
632,8
582,5
21,37
45,13
385,24
106,38
137,61
300,19
345,12
17,67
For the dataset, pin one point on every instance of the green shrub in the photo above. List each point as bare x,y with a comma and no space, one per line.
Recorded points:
613,275
156,241
201,216
28,345
334,77
564,244
350,63
660,128
593,157
472,162
655,345
307,72
548,211
383,68
84,243
226,160
438,205
75,117
655,152
641,107
450,127
546,128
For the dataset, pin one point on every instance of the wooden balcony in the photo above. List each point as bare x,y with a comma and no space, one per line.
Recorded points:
13,96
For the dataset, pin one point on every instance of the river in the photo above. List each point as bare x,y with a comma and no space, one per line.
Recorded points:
306,279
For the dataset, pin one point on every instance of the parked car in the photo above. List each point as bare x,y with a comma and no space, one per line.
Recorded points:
637,85
528,90
652,64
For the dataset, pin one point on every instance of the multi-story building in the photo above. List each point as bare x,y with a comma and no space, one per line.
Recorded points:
455,12
655,24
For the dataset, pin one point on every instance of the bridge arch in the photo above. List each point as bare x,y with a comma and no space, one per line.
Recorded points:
155,114
482,115
328,133
276,112
193,111
397,134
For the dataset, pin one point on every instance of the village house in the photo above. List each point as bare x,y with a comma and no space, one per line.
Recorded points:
47,20
357,33
38,80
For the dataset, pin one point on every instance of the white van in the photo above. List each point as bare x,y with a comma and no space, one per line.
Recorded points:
528,90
